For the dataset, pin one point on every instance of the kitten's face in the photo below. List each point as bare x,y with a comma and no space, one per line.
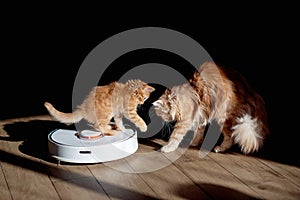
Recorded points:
165,107
143,93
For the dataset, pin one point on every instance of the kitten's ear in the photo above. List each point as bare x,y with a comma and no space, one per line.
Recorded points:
149,89
157,103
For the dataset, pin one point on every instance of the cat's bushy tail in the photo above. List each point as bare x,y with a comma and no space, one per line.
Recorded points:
67,118
246,135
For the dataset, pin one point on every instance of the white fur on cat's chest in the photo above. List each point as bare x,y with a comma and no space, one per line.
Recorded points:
65,145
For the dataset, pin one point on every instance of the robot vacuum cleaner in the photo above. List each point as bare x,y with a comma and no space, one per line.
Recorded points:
89,146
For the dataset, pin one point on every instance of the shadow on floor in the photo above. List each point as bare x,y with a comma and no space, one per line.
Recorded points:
280,149
58,172
34,135
215,191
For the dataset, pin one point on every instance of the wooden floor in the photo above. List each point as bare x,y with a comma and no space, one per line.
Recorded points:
27,172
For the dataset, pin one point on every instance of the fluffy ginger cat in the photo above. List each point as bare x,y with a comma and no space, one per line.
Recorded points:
115,100
215,93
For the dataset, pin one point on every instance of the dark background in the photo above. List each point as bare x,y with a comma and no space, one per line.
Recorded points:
42,49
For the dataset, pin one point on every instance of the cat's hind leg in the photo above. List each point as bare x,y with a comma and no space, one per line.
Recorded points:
198,136
105,130
111,126
227,140
119,122
102,123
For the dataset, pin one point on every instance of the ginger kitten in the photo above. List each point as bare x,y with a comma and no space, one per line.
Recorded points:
215,93
115,100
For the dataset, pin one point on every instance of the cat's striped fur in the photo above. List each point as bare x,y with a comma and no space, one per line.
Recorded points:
115,100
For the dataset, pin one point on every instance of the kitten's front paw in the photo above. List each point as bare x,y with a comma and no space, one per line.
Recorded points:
143,128
167,149
110,132
120,128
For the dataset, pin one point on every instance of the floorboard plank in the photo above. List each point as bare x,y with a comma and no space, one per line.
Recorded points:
291,173
162,176
25,178
264,180
80,188
4,190
74,181
68,171
120,182
210,176
171,183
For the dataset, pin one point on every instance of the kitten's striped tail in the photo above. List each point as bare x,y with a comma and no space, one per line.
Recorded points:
67,118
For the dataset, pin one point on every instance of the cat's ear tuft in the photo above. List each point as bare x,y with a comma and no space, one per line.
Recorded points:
157,103
196,75
207,65
167,91
171,95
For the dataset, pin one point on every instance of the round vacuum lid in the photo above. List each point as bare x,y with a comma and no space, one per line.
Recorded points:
89,134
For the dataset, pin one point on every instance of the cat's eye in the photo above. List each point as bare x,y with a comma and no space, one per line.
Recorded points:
164,110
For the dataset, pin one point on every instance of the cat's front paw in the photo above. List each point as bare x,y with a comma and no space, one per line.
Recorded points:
168,148
218,149
171,146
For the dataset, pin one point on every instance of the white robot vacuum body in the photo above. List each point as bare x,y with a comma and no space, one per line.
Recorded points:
90,146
